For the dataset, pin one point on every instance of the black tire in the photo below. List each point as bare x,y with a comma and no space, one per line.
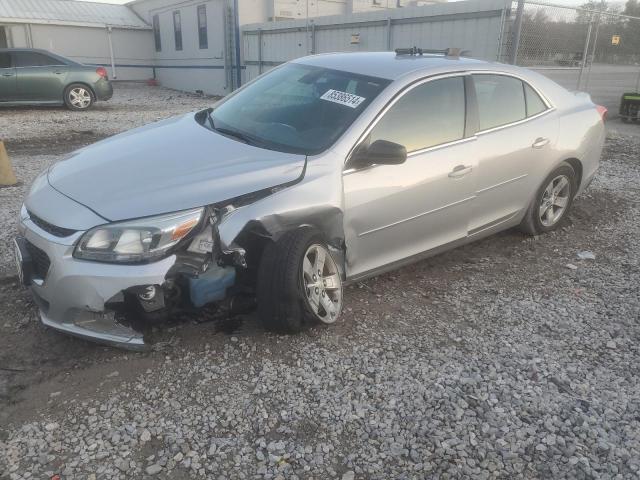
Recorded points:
72,103
532,223
282,304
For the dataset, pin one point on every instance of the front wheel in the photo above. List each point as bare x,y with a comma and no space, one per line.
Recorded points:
298,279
552,201
78,97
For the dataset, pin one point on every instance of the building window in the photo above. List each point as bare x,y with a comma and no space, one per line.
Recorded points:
177,29
202,27
156,33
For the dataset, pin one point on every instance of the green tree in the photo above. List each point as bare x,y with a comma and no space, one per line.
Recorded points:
632,8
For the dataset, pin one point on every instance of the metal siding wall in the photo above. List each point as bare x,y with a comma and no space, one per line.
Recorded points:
472,25
91,46
18,36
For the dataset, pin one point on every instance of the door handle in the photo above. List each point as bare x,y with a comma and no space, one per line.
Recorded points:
58,73
460,171
8,74
540,142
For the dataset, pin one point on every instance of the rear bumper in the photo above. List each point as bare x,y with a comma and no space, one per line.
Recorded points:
103,90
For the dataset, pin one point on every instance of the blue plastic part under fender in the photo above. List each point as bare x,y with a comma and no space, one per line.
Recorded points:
211,285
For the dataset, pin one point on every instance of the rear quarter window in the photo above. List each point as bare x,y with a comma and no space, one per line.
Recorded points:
535,105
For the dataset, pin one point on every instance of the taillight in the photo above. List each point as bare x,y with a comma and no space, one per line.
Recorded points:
602,111
102,72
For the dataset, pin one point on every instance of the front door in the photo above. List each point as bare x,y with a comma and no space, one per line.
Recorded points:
7,78
393,212
40,77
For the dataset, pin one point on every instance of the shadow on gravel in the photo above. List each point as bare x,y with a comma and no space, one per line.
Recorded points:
54,144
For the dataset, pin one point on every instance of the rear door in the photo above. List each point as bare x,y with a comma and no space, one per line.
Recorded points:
517,130
7,78
40,77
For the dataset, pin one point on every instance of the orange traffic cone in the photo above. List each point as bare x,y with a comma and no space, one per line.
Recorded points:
7,177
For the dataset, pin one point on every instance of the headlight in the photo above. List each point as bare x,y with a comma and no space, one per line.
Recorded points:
137,241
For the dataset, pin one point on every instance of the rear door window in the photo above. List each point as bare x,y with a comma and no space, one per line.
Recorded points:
5,60
428,115
501,100
34,59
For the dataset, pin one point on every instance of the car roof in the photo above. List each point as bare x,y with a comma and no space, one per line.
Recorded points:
388,65
39,50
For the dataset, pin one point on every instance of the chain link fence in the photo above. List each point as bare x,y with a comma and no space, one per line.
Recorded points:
595,49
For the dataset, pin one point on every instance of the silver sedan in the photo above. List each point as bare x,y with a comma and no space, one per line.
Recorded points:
326,170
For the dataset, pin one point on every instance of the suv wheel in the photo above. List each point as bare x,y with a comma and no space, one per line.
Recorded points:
298,279
78,97
552,201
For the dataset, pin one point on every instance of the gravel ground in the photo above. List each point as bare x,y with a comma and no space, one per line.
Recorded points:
49,129
508,358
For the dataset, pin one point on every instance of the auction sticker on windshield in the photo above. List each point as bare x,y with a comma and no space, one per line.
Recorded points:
343,98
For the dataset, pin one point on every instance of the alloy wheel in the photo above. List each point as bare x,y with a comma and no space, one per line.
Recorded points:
80,97
555,200
322,283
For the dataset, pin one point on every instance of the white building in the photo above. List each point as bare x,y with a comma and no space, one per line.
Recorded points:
301,9
113,36
194,40
184,44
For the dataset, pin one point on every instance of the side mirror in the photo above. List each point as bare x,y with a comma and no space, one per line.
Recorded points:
381,152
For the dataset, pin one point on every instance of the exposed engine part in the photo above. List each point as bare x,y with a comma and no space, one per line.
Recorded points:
203,242
210,286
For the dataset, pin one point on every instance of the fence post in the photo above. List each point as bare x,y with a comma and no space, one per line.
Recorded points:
585,52
236,38
259,51
501,34
389,33
593,50
313,38
515,35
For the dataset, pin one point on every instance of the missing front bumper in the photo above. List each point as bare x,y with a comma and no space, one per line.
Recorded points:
100,327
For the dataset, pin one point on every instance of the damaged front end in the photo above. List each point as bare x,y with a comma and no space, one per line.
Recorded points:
215,263
200,274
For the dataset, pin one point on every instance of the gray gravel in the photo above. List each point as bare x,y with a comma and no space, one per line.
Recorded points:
132,105
491,361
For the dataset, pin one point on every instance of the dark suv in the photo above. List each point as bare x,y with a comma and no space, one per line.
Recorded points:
38,77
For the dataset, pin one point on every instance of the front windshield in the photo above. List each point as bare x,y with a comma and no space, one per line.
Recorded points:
297,108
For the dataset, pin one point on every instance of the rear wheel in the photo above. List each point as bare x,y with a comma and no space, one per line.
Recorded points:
78,97
552,201
298,280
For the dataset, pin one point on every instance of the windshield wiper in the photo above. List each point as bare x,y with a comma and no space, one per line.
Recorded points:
236,134
229,132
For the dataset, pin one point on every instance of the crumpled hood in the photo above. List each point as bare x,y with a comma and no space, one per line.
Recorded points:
167,166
